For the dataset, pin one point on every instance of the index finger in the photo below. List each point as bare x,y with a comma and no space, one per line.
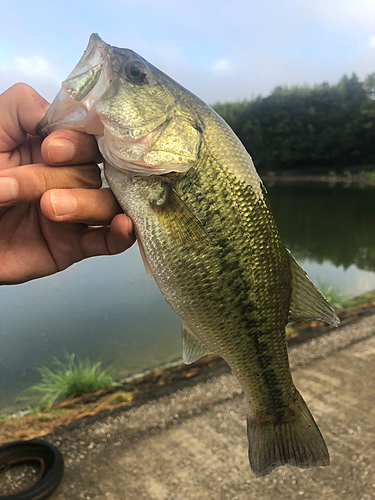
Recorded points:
21,109
68,147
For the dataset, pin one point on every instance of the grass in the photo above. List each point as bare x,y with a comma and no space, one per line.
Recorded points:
4,418
339,300
367,298
38,423
371,177
70,379
120,397
290,332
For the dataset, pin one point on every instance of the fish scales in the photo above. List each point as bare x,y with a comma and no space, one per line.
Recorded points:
206,233
221,273
231,226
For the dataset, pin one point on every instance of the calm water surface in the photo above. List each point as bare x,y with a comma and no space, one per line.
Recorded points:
106,308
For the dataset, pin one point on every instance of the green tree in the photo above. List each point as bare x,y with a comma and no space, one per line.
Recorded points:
369,85
303,127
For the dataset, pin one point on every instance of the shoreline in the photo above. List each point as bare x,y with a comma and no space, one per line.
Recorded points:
191,442
141,388
292,178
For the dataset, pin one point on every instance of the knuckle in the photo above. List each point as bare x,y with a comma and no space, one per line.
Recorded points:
22,90
41,181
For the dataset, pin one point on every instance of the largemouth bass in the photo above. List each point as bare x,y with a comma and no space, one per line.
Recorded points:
206,233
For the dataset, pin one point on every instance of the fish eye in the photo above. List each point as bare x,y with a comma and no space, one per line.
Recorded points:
135,71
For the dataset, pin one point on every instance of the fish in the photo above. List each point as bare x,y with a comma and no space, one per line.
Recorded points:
206,233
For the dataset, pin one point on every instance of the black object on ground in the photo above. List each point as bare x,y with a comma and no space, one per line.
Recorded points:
50,462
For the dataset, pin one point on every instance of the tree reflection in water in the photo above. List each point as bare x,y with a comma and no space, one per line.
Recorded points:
323,223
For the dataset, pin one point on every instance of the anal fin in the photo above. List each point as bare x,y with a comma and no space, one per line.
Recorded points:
192,347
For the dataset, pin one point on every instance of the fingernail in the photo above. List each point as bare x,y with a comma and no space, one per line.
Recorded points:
8,189
63,203
60,151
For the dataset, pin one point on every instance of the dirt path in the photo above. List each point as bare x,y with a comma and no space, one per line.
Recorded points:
192,444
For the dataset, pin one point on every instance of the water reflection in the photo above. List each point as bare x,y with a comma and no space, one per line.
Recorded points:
106,308
327,224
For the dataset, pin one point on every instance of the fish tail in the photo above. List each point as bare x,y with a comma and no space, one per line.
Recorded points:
293,439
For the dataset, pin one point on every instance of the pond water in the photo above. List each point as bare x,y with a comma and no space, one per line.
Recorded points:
107,309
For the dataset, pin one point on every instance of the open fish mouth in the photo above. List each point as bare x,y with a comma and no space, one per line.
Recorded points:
85,84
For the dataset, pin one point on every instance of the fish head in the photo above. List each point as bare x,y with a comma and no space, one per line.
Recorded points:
141,118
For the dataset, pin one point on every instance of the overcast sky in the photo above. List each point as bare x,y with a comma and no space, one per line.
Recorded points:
220,50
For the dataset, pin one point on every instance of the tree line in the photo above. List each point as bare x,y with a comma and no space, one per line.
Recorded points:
308,127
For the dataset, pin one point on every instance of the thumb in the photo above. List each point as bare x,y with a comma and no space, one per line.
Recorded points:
21,109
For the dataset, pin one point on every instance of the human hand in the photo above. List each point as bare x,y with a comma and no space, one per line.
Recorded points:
47,212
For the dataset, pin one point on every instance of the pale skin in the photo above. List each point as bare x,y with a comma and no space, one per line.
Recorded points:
50,196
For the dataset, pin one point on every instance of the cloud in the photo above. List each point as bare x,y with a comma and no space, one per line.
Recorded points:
34,70
372,41
359,14
34,66
221,66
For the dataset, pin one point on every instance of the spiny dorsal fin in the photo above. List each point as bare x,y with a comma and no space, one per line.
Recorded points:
192,347
307,302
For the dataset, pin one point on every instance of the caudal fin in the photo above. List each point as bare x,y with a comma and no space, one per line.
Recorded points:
294,439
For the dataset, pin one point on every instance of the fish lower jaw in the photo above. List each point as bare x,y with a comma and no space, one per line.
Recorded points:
131,169
137,168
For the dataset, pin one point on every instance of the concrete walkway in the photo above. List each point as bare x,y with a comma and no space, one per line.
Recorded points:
192,444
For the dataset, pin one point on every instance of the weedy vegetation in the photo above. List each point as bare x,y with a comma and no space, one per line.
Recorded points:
339,300
121,397
290,332
370,177
70,379
4,417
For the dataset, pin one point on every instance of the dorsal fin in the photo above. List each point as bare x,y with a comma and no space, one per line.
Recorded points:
192,347
307,302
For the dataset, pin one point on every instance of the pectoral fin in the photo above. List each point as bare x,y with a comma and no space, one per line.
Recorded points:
192,347
307,302
177,219
144,258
